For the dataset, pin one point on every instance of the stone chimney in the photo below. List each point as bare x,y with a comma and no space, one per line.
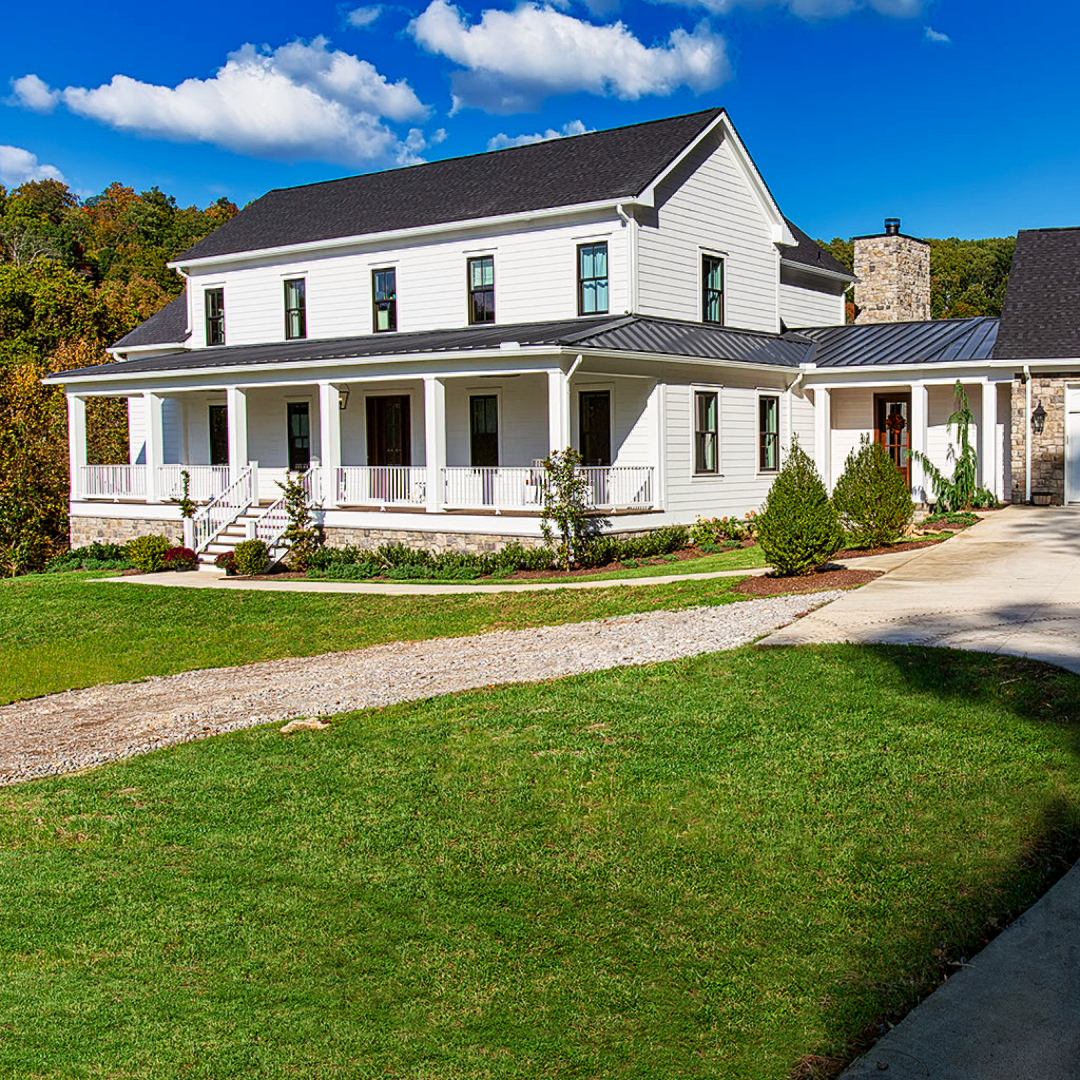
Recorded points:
892,276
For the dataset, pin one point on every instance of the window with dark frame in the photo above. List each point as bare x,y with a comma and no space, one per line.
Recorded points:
769,433
384,299
295,309
484,431
706,432
481,275
215,316
712,289
219,435
592,279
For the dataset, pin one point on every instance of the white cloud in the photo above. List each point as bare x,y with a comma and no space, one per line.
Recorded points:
300,101
363,16
33,93
813,9
17,166
501,141
515,58
936,36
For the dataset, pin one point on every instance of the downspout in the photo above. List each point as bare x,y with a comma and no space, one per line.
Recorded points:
631,256
1027,433
573,368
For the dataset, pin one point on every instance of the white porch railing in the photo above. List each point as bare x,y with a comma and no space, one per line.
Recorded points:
207,481
381,485
517,488
112,481
225,509
271,524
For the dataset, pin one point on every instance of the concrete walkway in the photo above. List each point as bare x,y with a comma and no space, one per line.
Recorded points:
1010,584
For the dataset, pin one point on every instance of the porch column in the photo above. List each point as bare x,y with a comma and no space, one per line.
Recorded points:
558,410
236,417
330,438
823,434
920,411
434,440
76,407
988,474
155,438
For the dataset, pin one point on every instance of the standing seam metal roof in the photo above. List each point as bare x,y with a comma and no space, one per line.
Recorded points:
932,341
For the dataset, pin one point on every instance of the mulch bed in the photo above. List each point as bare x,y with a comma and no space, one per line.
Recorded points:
908,545
819,581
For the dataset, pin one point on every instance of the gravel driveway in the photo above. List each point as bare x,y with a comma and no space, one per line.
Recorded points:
63,732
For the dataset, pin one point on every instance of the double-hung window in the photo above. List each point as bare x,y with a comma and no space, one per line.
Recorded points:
384,299
768,433
706,432
295,309
592,279
482,289
712,289
215,316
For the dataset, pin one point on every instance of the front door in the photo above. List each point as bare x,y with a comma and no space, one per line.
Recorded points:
484,442
388,437
594,416
299,436
1072,443
219,435
893,429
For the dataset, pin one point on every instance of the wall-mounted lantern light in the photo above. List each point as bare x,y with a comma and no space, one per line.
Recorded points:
343,400
1038,418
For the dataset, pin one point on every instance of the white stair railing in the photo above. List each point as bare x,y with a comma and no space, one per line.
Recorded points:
270,525
225,509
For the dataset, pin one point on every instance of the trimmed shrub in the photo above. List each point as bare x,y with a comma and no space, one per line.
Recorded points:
96,556
348,571
181,558
390,555
251,557
798,527
148,552
872,497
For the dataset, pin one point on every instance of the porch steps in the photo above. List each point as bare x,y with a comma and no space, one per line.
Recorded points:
230,536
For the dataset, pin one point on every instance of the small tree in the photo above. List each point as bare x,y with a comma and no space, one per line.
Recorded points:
301,533
798,527
872,497
566,490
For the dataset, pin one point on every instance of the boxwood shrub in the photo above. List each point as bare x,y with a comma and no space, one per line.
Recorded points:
251,557
148,552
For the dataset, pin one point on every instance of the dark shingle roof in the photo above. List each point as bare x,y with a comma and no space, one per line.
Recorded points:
810,253
623,333
618,162
167,327
1041,316
932,341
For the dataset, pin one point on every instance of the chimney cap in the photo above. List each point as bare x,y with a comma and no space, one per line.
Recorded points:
892,226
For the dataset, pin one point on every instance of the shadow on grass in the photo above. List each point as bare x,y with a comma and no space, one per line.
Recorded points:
1040,694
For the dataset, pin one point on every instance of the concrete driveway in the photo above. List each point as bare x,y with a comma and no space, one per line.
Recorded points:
1010,584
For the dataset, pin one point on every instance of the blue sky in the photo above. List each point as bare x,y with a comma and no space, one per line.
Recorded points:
960,116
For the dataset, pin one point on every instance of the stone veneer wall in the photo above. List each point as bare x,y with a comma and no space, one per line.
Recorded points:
893,275
438,542
112,530
1047,449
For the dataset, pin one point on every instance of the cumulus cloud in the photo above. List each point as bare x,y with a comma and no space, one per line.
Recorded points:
363,16
501,141
17,166
33,93
513,59
813,9
936,36
300,101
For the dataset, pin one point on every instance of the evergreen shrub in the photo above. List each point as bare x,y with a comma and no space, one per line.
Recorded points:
798,527
251,557
872,497
148,552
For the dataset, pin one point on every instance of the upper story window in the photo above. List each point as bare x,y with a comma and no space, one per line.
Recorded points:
384,299
482,289
592,279
215,316
768,433
295,309
706,432
712,289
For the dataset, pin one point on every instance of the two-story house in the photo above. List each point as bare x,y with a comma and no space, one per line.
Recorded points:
417,340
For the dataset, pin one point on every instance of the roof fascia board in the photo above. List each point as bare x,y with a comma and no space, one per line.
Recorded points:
141,350
1042,362
335,243
820,271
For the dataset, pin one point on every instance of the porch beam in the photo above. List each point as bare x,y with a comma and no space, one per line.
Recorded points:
236,416
920,411
434,440
76,407
330,440
155,439
988,474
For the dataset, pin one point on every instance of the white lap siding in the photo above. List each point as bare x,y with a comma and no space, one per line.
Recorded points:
810,300
523,418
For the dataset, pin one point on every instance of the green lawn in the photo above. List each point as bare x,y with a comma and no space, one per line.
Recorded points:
673,871
60,631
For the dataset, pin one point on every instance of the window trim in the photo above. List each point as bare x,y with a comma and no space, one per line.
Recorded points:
469,260
207,290
374,302
765,393
580,281
703,291
706,388
285,283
